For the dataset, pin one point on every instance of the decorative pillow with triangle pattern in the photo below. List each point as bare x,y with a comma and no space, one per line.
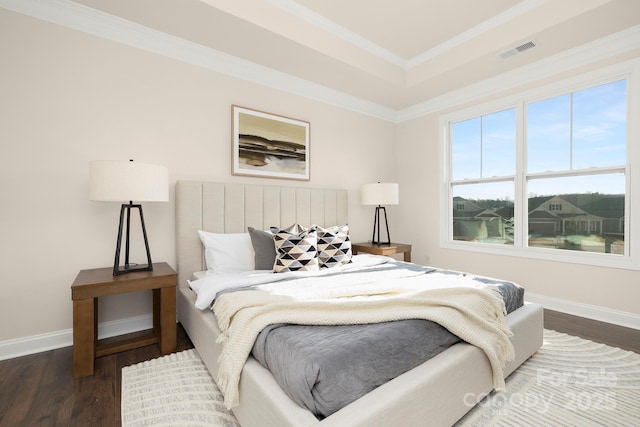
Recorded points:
295,251
334,245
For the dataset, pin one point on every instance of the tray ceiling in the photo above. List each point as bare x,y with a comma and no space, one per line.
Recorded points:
394,54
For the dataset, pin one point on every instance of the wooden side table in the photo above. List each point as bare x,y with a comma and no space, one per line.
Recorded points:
94,283
383,249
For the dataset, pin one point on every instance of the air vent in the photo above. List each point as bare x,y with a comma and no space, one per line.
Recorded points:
518,49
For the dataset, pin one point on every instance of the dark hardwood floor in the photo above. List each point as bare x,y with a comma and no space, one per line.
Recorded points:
39,390
606,333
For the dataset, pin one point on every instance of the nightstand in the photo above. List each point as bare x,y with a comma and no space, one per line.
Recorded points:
94,283
383,249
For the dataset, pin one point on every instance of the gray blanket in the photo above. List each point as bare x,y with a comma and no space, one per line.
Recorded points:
324,368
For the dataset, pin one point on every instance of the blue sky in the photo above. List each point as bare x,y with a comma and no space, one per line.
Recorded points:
575,131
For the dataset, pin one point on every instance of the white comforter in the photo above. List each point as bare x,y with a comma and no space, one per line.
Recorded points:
208,287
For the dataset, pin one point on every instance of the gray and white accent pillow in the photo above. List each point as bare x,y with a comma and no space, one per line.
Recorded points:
334,245
295,251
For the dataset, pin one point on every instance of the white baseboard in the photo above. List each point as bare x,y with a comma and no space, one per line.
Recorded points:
52,340
49,341
621,318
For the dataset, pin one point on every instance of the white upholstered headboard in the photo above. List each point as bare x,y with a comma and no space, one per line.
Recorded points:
231,208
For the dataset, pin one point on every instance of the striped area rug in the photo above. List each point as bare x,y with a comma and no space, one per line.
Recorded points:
568,382
174,390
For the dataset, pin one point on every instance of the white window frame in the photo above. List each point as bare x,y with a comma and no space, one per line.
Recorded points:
629,70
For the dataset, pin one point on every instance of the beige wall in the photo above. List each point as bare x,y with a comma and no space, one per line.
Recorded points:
67,98
419,174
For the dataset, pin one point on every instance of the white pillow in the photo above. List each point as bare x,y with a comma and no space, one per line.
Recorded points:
227,253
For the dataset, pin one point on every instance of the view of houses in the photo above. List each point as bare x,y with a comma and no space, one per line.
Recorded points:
591,222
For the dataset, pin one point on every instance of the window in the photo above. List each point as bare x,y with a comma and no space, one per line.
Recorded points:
582,136
483,167
546,176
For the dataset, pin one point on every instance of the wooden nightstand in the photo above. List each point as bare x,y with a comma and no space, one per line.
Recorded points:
94,283
383,249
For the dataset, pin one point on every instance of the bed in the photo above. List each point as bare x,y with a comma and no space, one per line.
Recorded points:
438,392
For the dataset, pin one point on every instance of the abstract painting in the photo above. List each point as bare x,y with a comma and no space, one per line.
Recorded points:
269,145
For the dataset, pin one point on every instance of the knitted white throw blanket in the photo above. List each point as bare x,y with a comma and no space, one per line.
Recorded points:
472,311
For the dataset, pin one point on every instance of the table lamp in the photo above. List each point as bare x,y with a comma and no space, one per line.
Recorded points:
122,181
380,194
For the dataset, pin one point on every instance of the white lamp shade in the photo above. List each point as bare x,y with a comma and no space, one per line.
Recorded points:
120,181
381,193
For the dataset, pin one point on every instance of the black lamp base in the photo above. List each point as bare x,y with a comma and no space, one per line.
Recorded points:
376,227
127,266
117,270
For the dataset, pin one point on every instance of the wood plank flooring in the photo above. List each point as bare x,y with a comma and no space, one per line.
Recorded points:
39,390
605,333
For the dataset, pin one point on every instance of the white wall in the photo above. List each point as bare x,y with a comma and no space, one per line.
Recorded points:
67,98
605,293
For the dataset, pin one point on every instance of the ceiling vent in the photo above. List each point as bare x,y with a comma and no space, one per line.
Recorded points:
518,49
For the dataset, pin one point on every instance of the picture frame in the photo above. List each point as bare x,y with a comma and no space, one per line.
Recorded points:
269,145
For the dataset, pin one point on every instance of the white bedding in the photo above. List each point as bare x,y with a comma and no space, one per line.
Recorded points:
387,291
207,284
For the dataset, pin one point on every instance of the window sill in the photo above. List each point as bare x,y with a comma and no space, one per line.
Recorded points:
556,255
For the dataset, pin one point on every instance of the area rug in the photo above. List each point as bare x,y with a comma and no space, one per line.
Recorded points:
568,382
174,390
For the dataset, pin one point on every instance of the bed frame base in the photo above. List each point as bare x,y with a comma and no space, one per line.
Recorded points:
441,390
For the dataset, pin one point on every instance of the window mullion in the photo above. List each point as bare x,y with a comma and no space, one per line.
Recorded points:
520,190
632,245
571,131
481,141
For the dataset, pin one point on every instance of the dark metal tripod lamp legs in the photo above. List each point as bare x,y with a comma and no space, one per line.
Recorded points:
116,265
376,227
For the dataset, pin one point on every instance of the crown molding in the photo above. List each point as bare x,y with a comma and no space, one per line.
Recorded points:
85,19
367,45
494,22
606,47
91,21
339,31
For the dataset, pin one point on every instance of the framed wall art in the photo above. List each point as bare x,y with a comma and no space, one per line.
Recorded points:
269,145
